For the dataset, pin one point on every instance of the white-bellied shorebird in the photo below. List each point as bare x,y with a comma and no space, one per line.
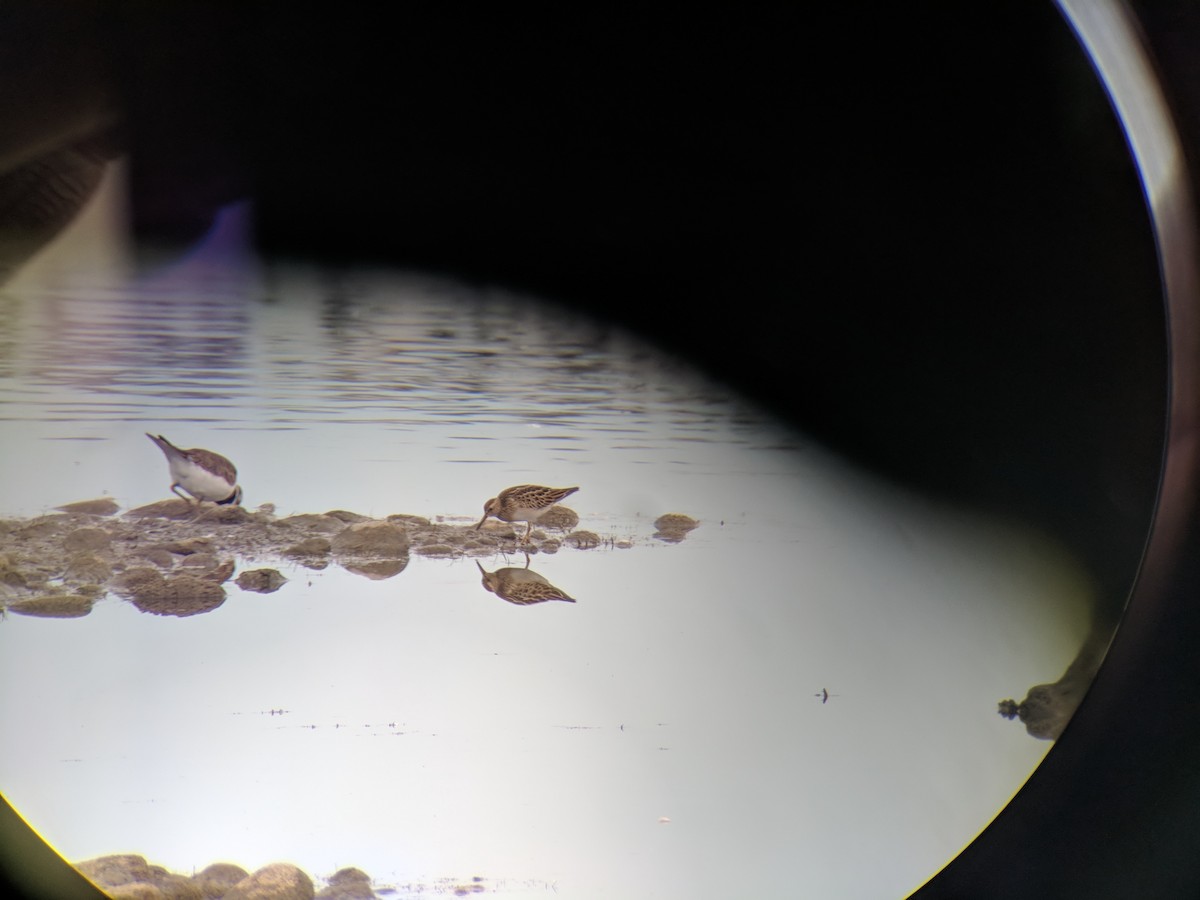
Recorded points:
203,474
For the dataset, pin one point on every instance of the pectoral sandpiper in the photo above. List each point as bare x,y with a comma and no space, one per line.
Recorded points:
523,503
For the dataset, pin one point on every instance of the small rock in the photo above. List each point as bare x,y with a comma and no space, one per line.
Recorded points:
405,519
349,875
208,513
199,561
438,550
278,881
313,546
189,546
42,527
223,515
87,567
161,557
54,606
354,890
261,581
216,880
374,540
139,579
674,527
94,539
10,574
117,869
163,509
174,887
138,890
377,570
312,522
582,540
348,518
104,506
348,884
560,518
181,595
220,573
179,887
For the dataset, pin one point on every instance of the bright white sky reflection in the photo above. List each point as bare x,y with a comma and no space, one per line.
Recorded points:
430,729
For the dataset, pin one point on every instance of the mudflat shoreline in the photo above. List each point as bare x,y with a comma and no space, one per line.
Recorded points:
174,558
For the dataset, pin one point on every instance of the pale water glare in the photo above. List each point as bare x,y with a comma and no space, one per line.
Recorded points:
665,735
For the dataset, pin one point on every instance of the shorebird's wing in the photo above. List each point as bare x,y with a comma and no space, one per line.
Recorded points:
215,463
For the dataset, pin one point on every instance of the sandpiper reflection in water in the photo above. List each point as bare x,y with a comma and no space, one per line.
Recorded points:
521,586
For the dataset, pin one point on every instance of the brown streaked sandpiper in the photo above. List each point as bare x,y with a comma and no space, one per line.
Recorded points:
523,503
521,586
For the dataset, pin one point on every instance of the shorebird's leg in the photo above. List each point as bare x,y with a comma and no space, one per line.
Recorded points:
175,491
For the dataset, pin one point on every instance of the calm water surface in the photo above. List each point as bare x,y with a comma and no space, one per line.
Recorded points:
659,737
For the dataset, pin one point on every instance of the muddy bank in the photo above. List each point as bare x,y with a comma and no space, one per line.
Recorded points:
128,876
172,558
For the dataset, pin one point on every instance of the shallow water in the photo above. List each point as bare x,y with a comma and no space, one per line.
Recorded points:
665,735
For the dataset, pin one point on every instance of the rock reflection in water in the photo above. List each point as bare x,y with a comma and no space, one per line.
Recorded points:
1047,708
523,586
69,606
674,527
261,581
174,595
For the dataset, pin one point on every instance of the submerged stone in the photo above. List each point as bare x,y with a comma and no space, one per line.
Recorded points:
377,569
582,540
102,506
348,884
313,546
95,539
54,606
376,540
115,870
560,518
314,522
88,567
163,509
346,517
179,595
278,881
217,879
261,581
674,527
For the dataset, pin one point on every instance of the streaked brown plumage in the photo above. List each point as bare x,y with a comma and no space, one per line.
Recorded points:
521,586
523,503
203,474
